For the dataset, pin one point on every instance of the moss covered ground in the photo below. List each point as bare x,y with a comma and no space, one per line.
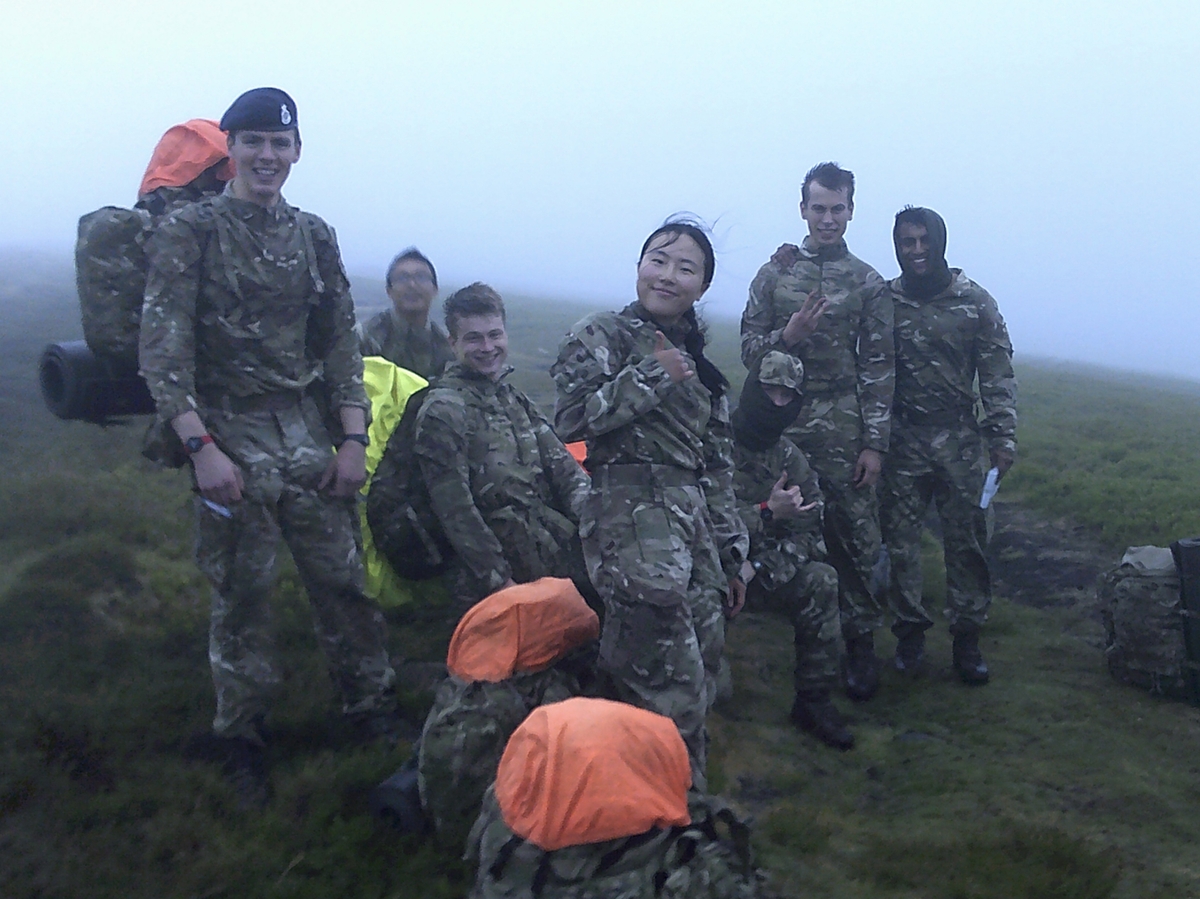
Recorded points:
1053,781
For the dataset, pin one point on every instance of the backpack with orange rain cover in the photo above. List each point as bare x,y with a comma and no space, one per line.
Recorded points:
519,648
591,800
189,163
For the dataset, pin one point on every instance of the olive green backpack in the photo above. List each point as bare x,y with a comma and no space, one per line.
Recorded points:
1146,621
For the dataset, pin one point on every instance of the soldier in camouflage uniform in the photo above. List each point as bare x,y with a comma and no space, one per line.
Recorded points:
246,303
506,491
781,504
404,334
664,543
832,310
948,331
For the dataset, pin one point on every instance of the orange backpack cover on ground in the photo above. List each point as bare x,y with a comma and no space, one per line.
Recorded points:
183,153
588,770
525,627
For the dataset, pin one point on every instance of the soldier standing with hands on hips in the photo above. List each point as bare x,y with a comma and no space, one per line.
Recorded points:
247,304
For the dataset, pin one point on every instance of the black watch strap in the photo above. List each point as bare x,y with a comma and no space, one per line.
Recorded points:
359,438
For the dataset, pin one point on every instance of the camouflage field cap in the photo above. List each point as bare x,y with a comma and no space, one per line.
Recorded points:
261,109
781,370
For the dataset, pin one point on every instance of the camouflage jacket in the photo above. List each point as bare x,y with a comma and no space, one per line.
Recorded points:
755,475
851,350
941,345
243,300
502,484
613,393
425,351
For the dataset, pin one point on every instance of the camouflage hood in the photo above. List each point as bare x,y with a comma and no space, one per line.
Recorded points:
938,277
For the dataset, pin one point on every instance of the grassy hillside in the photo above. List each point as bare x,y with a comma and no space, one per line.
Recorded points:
1053,781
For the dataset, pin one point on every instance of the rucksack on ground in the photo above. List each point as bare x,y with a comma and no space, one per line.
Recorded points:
1142,606
591,800
399,511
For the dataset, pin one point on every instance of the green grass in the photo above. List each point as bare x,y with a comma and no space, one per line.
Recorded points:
1053,781
1115,453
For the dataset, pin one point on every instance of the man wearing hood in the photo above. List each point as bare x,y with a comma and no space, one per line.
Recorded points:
781,503
821,304
948,329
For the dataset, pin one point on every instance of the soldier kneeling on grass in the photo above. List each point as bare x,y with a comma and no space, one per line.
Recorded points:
592,799
780,501
519,648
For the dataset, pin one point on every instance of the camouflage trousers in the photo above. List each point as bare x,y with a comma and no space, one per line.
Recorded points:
282,455
806,593
651,555
829,431
947,466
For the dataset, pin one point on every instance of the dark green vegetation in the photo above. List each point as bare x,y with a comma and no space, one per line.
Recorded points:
1053,781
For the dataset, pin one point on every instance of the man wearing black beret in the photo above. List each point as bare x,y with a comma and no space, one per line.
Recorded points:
247,304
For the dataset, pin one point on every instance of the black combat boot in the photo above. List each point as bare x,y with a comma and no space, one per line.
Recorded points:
860,668
968,660
910,649
814,713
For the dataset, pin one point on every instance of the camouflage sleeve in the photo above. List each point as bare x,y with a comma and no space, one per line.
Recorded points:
440,446
729,530
597,391
801,474
997,382
332,335
167,349
569,482
876,363
759,333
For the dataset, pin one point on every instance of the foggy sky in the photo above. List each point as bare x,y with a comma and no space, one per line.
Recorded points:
535,145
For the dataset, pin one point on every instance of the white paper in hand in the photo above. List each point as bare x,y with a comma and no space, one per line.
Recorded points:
990,486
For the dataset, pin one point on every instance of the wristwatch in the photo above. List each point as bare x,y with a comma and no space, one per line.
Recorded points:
359,438
765,513
193,445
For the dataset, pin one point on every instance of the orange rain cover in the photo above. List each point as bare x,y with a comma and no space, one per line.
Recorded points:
183,153
578,451
588,770
525,627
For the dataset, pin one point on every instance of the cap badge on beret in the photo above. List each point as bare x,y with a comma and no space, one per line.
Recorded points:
261,109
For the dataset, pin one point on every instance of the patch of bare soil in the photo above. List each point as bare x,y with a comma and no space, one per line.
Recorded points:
1043,563
1048,563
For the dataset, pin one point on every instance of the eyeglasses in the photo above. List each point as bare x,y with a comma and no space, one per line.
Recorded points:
412,278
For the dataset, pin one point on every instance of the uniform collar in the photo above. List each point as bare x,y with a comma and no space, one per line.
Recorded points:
810,250
676,333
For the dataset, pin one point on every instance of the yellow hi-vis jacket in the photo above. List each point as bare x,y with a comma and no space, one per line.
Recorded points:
388,388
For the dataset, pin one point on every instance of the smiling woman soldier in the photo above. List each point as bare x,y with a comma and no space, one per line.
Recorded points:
664,543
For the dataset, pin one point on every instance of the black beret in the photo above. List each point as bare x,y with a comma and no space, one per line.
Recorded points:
262,109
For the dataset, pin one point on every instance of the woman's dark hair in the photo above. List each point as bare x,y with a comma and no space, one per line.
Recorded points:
678,226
